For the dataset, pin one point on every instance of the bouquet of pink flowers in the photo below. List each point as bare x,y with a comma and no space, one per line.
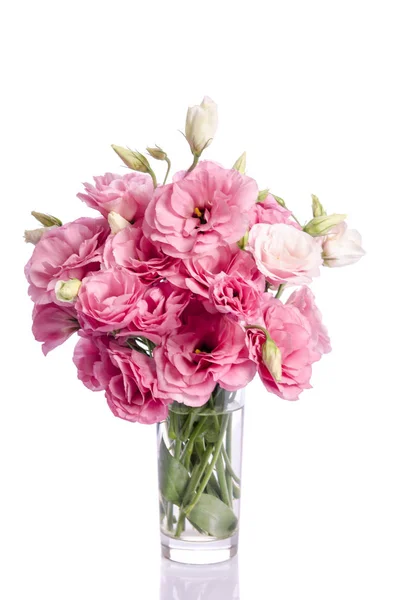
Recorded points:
175,292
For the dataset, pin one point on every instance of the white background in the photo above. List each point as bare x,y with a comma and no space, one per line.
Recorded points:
308,90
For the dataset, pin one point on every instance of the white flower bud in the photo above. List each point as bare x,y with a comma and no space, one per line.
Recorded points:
67,291
271,356
33,236
116,222
201,125
241,163
342,246
320,226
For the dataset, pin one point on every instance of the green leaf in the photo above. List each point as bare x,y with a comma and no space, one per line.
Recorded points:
213,516
173,477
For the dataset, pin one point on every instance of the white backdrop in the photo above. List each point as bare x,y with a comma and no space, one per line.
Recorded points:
308,90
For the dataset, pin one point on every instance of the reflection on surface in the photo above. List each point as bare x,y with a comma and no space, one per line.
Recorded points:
199,582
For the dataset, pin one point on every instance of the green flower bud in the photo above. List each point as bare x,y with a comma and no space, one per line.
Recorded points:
317,207
271,356
132,159
319,226
46,220
279,200
263,195
157,153
241,163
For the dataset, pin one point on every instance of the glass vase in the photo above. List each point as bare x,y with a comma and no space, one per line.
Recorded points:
199,466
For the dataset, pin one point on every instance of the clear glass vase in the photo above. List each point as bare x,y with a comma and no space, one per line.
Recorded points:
199,466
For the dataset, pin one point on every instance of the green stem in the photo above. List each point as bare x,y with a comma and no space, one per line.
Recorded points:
170,508
280,290
189,446
220,469
194,163
228,455
229,467
197,474
168,169
211,466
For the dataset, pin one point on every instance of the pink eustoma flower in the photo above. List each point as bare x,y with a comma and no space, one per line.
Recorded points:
235,296
132,392
91,357
107,299
53,324
157,312
67,252
208,350
293,335
195,214
128,195
270,211
130,249
304,301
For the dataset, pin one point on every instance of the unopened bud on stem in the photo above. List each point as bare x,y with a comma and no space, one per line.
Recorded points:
319,226
67,291
317,207
241,163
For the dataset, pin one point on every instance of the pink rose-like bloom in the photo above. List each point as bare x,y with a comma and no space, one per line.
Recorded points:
132,392
209,349
284,254
201,271
53,324
197,213
304,301
235,296
91,357
67,252
128,195
107,299
293,335
130,249
270,211
157,312
342,246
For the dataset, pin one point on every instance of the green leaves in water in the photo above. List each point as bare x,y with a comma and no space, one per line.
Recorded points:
173,477
214,516
210,514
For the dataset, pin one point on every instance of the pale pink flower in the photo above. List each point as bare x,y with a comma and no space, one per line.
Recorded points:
235,296
53,324
284,254
107,300
158,311
130,249
293,335
132,392
342,246
209,349
304,301
270,211
197,213
128,195
68,252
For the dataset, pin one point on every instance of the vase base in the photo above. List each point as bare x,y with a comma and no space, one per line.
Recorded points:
198,553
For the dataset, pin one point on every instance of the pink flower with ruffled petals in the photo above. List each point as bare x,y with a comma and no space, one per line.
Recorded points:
157,312
91,357
236,296
53,324
284,254
128,195
209,349
197,213
292,333
270,211
67,252
132,392
130,249
304,301
201,271
107,300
